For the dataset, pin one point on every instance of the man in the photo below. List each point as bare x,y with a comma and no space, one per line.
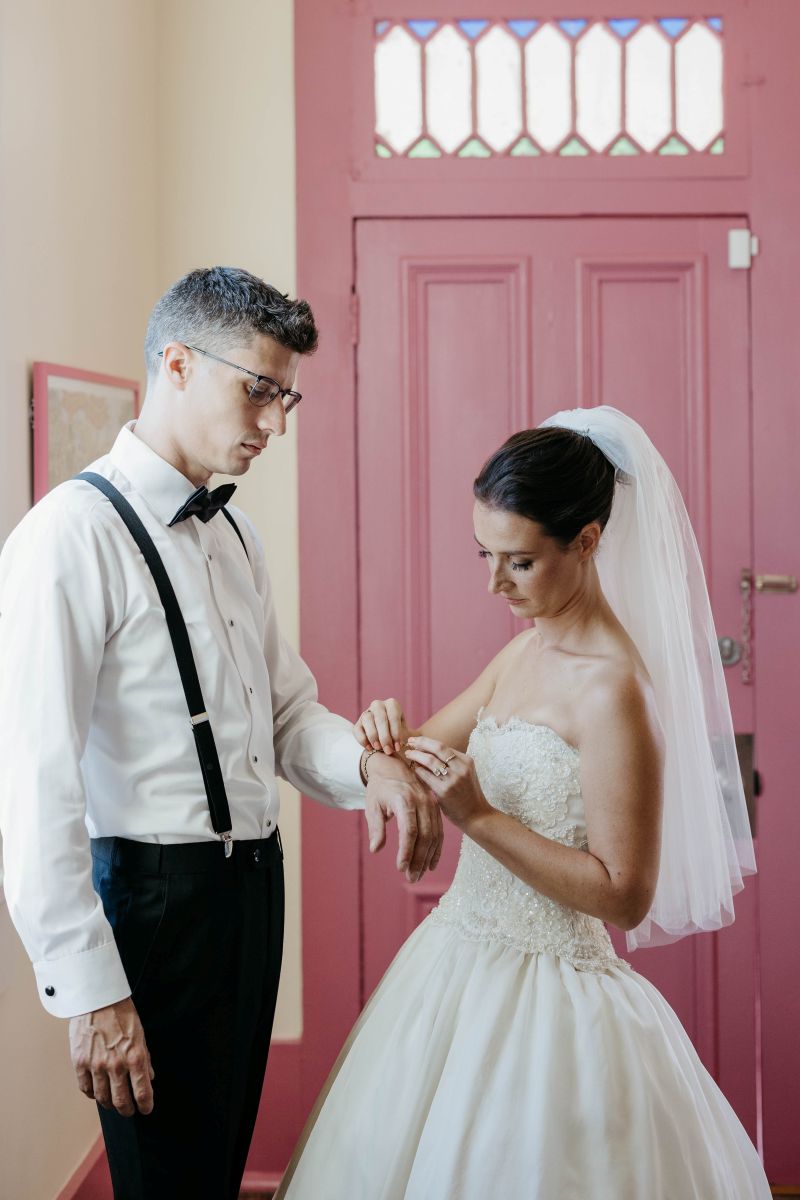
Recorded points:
161,937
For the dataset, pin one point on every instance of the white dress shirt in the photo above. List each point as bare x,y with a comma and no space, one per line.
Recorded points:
95,738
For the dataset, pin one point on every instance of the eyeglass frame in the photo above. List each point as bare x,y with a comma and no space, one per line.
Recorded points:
296,397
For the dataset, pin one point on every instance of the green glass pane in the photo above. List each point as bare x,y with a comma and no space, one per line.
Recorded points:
623,145
718,147
424,148
382,151
674,146
525,149
474,149
573,149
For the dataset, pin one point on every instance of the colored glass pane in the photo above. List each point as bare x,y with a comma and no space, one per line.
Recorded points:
718,146
674,146
382,151
573,28
573,149
648,87
525,149
473,29
523,29
698,86
673,25
624,26
499,70
598,87
623,146
422,28
716,23
449,88
548,75
381,27
424,148
398,89
474,149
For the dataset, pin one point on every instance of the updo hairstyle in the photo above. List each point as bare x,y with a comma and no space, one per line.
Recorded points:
553,476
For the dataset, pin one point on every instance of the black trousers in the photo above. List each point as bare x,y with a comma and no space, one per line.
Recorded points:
201,938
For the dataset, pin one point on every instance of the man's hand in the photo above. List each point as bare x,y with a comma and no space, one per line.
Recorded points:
111,1058
393,791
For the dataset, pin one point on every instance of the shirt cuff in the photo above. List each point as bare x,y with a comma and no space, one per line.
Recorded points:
349,790
82,983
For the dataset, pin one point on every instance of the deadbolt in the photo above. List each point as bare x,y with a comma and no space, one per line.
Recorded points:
730,651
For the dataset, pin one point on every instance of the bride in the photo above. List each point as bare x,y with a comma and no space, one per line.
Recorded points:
508,1053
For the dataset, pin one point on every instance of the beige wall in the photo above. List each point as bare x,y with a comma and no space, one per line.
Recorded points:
226,195
138,138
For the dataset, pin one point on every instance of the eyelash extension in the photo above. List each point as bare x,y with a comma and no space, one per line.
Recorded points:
518,566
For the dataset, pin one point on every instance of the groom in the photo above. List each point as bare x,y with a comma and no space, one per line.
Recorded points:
143,861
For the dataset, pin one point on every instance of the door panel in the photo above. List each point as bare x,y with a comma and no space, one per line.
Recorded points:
470,330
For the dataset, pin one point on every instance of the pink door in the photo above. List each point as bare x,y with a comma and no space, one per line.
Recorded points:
471,329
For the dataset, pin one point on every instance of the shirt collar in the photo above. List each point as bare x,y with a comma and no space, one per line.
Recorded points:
163,488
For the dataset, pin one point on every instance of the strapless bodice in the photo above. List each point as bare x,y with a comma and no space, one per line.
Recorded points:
531,773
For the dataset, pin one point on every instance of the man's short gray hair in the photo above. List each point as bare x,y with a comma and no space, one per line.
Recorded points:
215,308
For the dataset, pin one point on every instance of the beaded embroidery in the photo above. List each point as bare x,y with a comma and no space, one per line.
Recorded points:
531,773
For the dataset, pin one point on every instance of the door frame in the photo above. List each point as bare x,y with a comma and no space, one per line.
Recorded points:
333,190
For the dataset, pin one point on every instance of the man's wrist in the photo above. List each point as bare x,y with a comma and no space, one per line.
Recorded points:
384,766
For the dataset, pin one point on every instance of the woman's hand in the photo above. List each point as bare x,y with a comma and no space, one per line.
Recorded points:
382,726
451,777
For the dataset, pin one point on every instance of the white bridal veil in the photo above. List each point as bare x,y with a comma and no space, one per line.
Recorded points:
651,573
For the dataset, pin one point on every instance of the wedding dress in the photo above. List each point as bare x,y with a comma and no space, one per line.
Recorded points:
509,1054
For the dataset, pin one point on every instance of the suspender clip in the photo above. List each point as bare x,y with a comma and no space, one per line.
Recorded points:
199,719
227,839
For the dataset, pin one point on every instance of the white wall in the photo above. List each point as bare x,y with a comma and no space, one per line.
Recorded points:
138,138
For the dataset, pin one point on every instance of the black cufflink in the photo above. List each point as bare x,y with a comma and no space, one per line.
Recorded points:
49,991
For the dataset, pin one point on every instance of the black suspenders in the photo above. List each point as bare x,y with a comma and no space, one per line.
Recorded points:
201,725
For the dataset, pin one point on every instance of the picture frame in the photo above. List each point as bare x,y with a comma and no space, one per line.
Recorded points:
76,416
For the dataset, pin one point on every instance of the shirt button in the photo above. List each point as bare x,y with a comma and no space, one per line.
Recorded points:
269,824
231,624
255,758
250,690
257,855
210,559
49,991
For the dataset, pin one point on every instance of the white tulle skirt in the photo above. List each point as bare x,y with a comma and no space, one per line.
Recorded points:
480,1073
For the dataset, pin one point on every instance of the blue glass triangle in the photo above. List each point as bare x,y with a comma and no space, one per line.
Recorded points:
673,25
422,28
624,26
716,23
523,28
473,28
381,27
573,28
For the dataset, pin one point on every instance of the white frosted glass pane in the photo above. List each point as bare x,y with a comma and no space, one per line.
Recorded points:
398,89
449,83
598,84
698,84
548,73
499,88
648,87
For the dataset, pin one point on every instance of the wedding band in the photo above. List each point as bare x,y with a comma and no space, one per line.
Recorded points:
449,760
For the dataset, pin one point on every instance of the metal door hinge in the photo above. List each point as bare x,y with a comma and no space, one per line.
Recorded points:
355,314
743,246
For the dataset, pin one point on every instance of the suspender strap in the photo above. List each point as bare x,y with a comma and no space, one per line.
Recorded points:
201,726
236,530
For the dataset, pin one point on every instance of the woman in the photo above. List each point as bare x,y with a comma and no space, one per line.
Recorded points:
508,1053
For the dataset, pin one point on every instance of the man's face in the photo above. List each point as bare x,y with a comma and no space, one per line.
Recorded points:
216,428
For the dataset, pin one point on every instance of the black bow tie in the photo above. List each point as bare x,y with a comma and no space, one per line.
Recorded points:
204,504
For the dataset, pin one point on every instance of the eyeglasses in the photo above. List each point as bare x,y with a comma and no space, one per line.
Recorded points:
263,391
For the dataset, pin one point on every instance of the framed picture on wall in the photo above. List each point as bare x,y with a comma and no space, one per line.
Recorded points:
76,417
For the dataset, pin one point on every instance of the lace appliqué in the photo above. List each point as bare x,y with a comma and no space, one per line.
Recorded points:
531,773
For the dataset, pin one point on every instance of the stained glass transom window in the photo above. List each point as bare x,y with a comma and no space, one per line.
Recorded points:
524,88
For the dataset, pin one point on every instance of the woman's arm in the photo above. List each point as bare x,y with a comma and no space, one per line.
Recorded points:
382,726
621,781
